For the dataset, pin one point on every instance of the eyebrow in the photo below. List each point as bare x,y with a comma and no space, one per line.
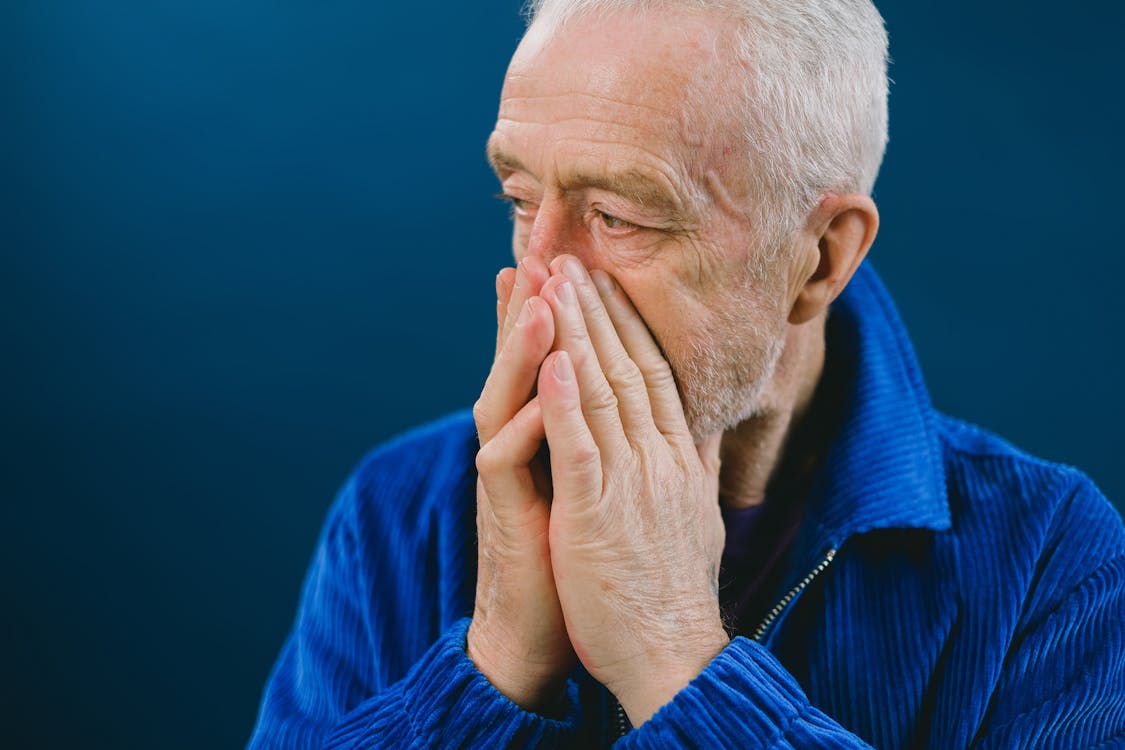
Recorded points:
500,160
631,184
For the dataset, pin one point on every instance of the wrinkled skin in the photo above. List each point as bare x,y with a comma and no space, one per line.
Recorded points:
642,339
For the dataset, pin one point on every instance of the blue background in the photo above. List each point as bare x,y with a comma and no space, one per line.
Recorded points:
243,242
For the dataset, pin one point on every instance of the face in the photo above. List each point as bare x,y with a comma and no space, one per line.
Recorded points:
613,145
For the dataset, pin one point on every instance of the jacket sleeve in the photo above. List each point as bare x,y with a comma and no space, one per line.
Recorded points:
325,690
744,698
1063,682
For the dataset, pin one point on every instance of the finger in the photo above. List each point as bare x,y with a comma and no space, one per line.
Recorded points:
576,466
623,375
530,275
664,398
714,533
504,463
709,455
598,401
512,378
505,280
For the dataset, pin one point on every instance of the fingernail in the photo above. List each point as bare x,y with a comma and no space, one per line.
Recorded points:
499,288
525,313
602,281
564,370
521,276
573,269
566,294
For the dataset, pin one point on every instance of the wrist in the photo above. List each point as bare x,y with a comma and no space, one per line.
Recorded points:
532,687
650,686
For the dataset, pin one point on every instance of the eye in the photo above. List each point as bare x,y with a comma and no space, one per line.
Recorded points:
612,222
520,206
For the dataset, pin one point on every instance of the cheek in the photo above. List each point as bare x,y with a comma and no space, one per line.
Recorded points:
670,312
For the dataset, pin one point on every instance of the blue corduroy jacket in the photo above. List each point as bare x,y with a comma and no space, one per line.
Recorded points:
946,591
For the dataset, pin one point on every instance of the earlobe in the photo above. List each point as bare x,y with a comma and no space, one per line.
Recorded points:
842,230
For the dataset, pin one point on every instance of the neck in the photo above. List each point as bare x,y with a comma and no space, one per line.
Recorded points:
754,453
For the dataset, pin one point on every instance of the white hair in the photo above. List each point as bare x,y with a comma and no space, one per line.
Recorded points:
814,102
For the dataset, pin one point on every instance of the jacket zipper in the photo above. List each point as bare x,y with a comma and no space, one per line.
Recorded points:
786,600
622,720
763,628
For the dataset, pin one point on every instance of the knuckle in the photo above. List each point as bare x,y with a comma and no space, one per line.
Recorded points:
584,459
485,460
659,374
582,471
602,400
619,368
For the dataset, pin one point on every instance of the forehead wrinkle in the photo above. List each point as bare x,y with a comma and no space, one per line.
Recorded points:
509,99
650,188
669,185
639,173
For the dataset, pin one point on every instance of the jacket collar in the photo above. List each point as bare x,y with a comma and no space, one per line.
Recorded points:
884,468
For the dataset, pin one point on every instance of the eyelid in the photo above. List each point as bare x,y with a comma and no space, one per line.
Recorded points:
620,207
522,207
607,215
512,198
624,211
627,229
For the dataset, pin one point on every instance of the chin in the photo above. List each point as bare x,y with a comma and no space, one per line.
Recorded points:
705,422
721,393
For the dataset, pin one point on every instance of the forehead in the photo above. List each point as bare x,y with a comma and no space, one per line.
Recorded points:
649,82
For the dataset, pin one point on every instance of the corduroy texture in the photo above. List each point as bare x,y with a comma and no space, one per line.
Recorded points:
977,599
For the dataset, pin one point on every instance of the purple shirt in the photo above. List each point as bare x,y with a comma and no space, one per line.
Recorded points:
758,539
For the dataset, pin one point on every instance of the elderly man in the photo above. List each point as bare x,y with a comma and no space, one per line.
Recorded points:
703,499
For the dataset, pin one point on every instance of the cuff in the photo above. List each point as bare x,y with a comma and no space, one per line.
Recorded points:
446,701
743,698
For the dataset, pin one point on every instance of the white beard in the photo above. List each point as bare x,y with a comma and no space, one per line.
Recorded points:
727,368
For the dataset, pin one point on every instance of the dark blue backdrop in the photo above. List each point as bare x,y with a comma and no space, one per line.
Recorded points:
243,242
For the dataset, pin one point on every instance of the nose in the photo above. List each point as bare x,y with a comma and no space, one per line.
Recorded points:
558,230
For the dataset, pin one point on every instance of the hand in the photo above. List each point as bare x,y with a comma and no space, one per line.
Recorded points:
517,637
636,533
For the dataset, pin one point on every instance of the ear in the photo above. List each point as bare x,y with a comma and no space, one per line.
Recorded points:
833,243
